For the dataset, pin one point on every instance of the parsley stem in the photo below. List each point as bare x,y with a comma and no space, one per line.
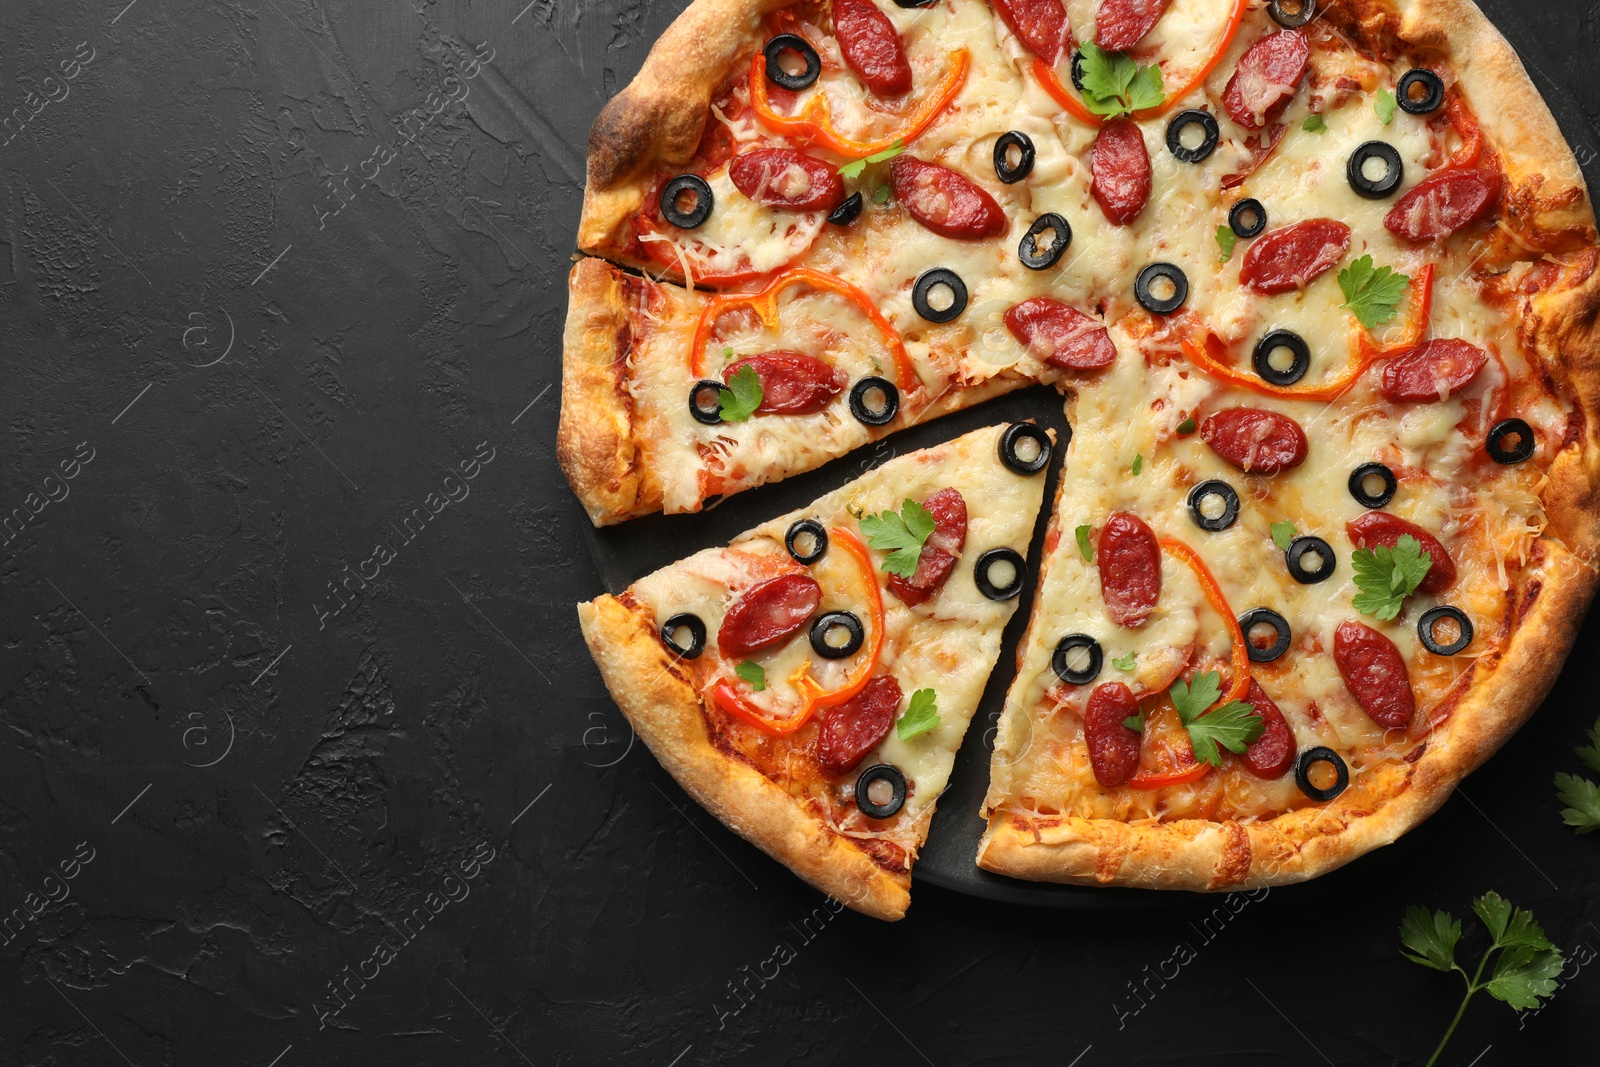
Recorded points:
1472,989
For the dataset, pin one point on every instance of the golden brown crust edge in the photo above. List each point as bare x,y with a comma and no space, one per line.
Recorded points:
1546,193
666,712
662,113
595,440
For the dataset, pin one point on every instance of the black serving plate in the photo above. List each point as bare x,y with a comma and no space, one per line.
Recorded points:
622,554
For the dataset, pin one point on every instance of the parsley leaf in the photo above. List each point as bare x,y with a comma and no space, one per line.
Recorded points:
922,715
1590,753
1193,698
1385,106
1135,722
1138,463
1233,726
1283,534
1582,798
880,195
899,535
854,168
1314,124
1431,937
753,673
742,397
1186,427
727,351
1125,663
1115,85
1524,973
1386,576
1372,294
1084,548
1226,239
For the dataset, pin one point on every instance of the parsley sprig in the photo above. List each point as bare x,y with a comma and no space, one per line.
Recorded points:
1524,972
1233,726
1085,549
922,715
1582,795
854,168
1226,239
742,397
1314,124
1384,104
1283,534
1115,85
753,673
1371,293
901,536
1386,576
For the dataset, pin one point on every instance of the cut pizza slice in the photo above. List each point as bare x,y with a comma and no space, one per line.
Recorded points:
810,683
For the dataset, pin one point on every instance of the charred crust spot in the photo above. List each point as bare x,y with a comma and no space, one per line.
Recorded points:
1416,753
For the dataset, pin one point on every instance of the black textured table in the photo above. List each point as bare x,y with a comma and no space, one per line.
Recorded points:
303,759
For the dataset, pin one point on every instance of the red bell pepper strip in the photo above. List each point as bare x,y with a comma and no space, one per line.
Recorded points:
1239,661
1365,352
813,697
765,305
814,124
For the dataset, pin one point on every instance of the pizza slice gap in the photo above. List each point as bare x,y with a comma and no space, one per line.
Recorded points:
810,683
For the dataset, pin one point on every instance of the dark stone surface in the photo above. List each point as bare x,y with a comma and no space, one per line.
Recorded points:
278,300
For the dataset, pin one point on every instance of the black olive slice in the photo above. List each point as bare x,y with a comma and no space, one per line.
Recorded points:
927,282
789,42
697,635
863,407
1309,759
1432,617
1247,218
1014,458
1213,490
828,624
1019,571
1358,485
1302,570
703,201
1432,91
1002,156
915,3
848,211
1208,135
1298,349
1265,617
1147,298
1520,437
1393,170
881,772
1077,71
1061,236
1061,661
1292,14
704,401
795,541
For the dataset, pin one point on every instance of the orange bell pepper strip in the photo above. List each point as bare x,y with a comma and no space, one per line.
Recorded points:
813,696
765,305
1051,82
1365,353
814,124
1239,662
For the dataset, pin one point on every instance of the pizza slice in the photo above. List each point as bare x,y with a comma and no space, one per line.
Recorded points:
810,683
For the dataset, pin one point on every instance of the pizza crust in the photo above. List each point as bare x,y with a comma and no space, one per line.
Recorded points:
1549,203
661,115
667,713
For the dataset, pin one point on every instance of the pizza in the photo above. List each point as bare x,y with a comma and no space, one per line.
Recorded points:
1318,285
810,682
